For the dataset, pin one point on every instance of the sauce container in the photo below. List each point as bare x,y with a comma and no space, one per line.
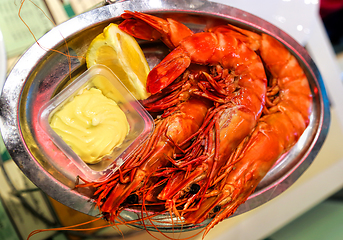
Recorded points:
140,122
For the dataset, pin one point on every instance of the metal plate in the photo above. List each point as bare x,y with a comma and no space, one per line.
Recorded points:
40,73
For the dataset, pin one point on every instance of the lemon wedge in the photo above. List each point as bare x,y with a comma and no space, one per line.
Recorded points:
121,53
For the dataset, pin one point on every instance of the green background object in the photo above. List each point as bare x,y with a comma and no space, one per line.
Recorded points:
17,37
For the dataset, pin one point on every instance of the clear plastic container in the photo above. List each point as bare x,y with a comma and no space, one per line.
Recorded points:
141,123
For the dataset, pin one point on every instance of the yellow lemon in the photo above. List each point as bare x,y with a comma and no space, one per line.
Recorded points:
121,53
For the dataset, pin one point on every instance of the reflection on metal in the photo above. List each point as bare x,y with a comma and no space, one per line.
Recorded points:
39,74
108,2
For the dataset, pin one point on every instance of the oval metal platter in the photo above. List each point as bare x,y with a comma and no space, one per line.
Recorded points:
41,73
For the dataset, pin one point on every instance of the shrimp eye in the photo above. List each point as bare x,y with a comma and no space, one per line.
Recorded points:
132,199
194,188
216,209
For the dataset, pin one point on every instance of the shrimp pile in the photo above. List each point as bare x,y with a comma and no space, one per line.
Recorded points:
229,103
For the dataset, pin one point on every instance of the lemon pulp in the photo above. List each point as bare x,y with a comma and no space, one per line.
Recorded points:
122,54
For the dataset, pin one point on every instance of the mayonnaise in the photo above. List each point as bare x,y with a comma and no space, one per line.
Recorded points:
91,124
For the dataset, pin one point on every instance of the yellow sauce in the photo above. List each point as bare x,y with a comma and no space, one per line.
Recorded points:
91,124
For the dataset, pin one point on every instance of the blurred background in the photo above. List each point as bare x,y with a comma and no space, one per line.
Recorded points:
310,209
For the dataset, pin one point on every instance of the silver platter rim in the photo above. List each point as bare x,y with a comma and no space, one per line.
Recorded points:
15,86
